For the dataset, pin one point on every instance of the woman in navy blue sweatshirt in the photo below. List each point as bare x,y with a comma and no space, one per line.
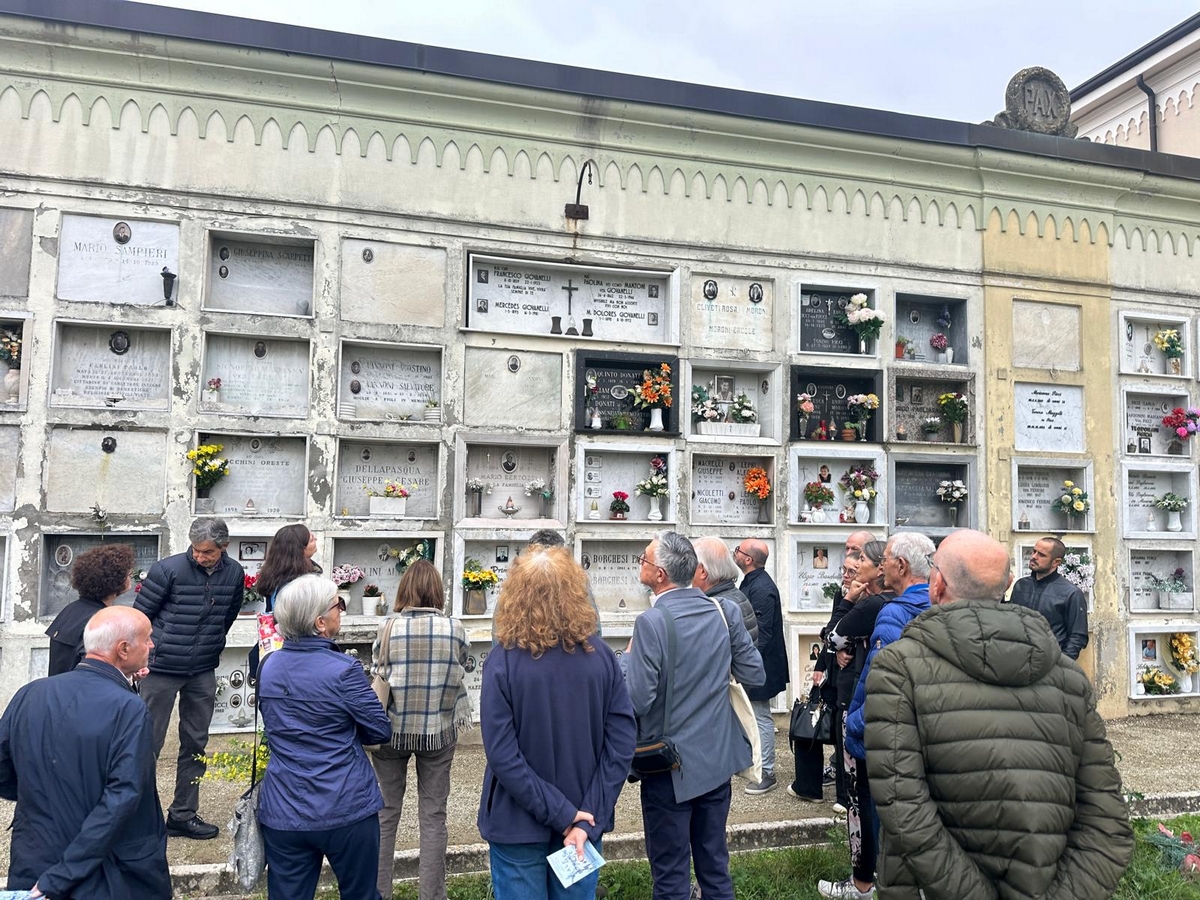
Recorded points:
558,728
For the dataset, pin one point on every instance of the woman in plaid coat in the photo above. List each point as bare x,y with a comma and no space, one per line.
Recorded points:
423,661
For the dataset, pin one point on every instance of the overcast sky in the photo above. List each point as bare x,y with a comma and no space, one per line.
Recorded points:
949,59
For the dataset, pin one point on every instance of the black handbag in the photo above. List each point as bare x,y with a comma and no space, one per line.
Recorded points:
812,721
659,754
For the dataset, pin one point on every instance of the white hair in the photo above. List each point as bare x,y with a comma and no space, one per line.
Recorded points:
104,636
915,549
299,604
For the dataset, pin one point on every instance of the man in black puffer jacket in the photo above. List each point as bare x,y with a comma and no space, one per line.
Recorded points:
192,599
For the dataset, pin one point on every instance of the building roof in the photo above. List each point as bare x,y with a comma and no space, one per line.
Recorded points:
1138,56
169,22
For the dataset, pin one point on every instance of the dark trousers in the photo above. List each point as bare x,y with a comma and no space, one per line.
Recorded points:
197,697
294,860
837,733
810,763
678,833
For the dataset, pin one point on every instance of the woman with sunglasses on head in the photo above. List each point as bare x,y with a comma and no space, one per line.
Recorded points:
424,662
319,797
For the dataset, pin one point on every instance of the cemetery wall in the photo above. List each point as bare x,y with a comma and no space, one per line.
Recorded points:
350,242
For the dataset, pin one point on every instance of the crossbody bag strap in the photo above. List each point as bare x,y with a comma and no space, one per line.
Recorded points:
385,649
726,621
257,703
671,644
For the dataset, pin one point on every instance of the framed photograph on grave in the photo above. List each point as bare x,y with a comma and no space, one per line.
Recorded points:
13,369
383,557
365,468
60,552
839,469
1040,485
719,422
580,303
255,375
620,467
913,402
118,261
804,648
1143,430
828,390
820,310
915,504
268,475
1153,344
921,319
1156,671
261,274
101,365
815,561
1158,500
719,495
390,382
1160,580
606,388
505,479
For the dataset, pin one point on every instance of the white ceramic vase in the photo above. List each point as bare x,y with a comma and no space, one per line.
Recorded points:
655,509
656,420
862,512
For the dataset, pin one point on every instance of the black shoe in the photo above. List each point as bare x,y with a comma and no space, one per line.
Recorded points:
195,828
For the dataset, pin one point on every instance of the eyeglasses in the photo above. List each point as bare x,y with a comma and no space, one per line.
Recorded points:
341,604
737,550
646,562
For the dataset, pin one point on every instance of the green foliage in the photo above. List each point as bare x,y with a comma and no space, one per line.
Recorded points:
234,765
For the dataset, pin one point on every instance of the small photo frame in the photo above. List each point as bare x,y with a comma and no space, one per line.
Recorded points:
502,553
724,388
1150,649
63,556
252,551
916,394
820,558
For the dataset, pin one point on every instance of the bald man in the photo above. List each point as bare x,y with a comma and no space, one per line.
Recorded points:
77,754
990,769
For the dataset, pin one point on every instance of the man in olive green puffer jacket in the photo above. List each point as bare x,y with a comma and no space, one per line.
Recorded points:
989,765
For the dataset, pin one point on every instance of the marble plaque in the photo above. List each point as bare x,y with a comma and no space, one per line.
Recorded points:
59,552
512,389
260,277
600,473
804,648
115,260
233,709
1045,336
271,471
817,564
1146,564
371,465
612,568
259,376
377,558
732,313
497,555
1049,417
1144,433
829,389
1037,488
819,332
719,490
112,366
1143,488
16,247
393,283
131,479
1138,354
915,488
380,382
10,443
515,296
506,469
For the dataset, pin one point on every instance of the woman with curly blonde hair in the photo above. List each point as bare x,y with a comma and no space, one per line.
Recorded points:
558,728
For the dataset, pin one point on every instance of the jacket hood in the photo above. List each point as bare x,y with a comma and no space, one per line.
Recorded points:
996,643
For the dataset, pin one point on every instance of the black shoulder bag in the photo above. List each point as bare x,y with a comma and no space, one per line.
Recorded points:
812,722
660,754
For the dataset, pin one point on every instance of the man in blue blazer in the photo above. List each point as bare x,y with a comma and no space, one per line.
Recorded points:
684,811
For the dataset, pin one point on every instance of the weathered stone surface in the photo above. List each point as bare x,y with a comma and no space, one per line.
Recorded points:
87,371
10,442
260,277
1049,417
79,474
16,240
739,315
1046,336
530,397
95,267
401,284
1037,100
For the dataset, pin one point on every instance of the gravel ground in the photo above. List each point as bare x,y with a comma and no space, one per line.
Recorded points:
1145,767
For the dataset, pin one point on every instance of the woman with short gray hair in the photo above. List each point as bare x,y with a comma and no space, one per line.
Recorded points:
319,796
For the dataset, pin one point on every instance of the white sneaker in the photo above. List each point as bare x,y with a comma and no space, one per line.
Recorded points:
839,809
843,890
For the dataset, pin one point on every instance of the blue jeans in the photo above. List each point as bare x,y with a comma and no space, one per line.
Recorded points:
520,872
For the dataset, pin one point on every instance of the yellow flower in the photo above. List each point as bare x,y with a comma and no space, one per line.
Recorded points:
1078,504
1069,484
1076,491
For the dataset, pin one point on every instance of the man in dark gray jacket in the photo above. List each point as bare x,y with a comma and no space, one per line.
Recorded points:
192,599
717,575
1049,593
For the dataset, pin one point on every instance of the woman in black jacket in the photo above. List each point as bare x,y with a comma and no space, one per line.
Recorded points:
99,576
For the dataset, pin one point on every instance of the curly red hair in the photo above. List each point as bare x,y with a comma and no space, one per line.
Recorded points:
544,603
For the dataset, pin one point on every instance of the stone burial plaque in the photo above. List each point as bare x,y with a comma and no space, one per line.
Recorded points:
514,296
1144,565
497,555
612,570
819,332
259,375
270,471
615,375
122,471
506,469
917,319
233,707
1045,336
732,313
1037,488
1138,354
915,489
59,552
829,389
380,382
384,282
115,260
916,401
817,563
719,490
274,279
363,465
377,557
1144,433
1142,488
16,249
10,443
111,365
1049,417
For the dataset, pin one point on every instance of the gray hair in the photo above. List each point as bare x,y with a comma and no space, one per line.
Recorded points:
712,553
676,557
873,550
546,537
208,529
300,602
102,637
915,549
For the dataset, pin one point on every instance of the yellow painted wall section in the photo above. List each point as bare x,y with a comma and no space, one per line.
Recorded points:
1058,270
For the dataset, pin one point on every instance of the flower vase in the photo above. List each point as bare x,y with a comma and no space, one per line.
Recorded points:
344,595
818,515
1175,448
764,511
949,356
656,422
953,516
213,397
475,604
941,357
205,505
547,507
958,432
862,512
1174,522
802,434
1174,365
1071,522
1185,683
391,507
9,390
862,430
862,347
655,510
594,420
1151,521
370,606
1179,601
476,503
